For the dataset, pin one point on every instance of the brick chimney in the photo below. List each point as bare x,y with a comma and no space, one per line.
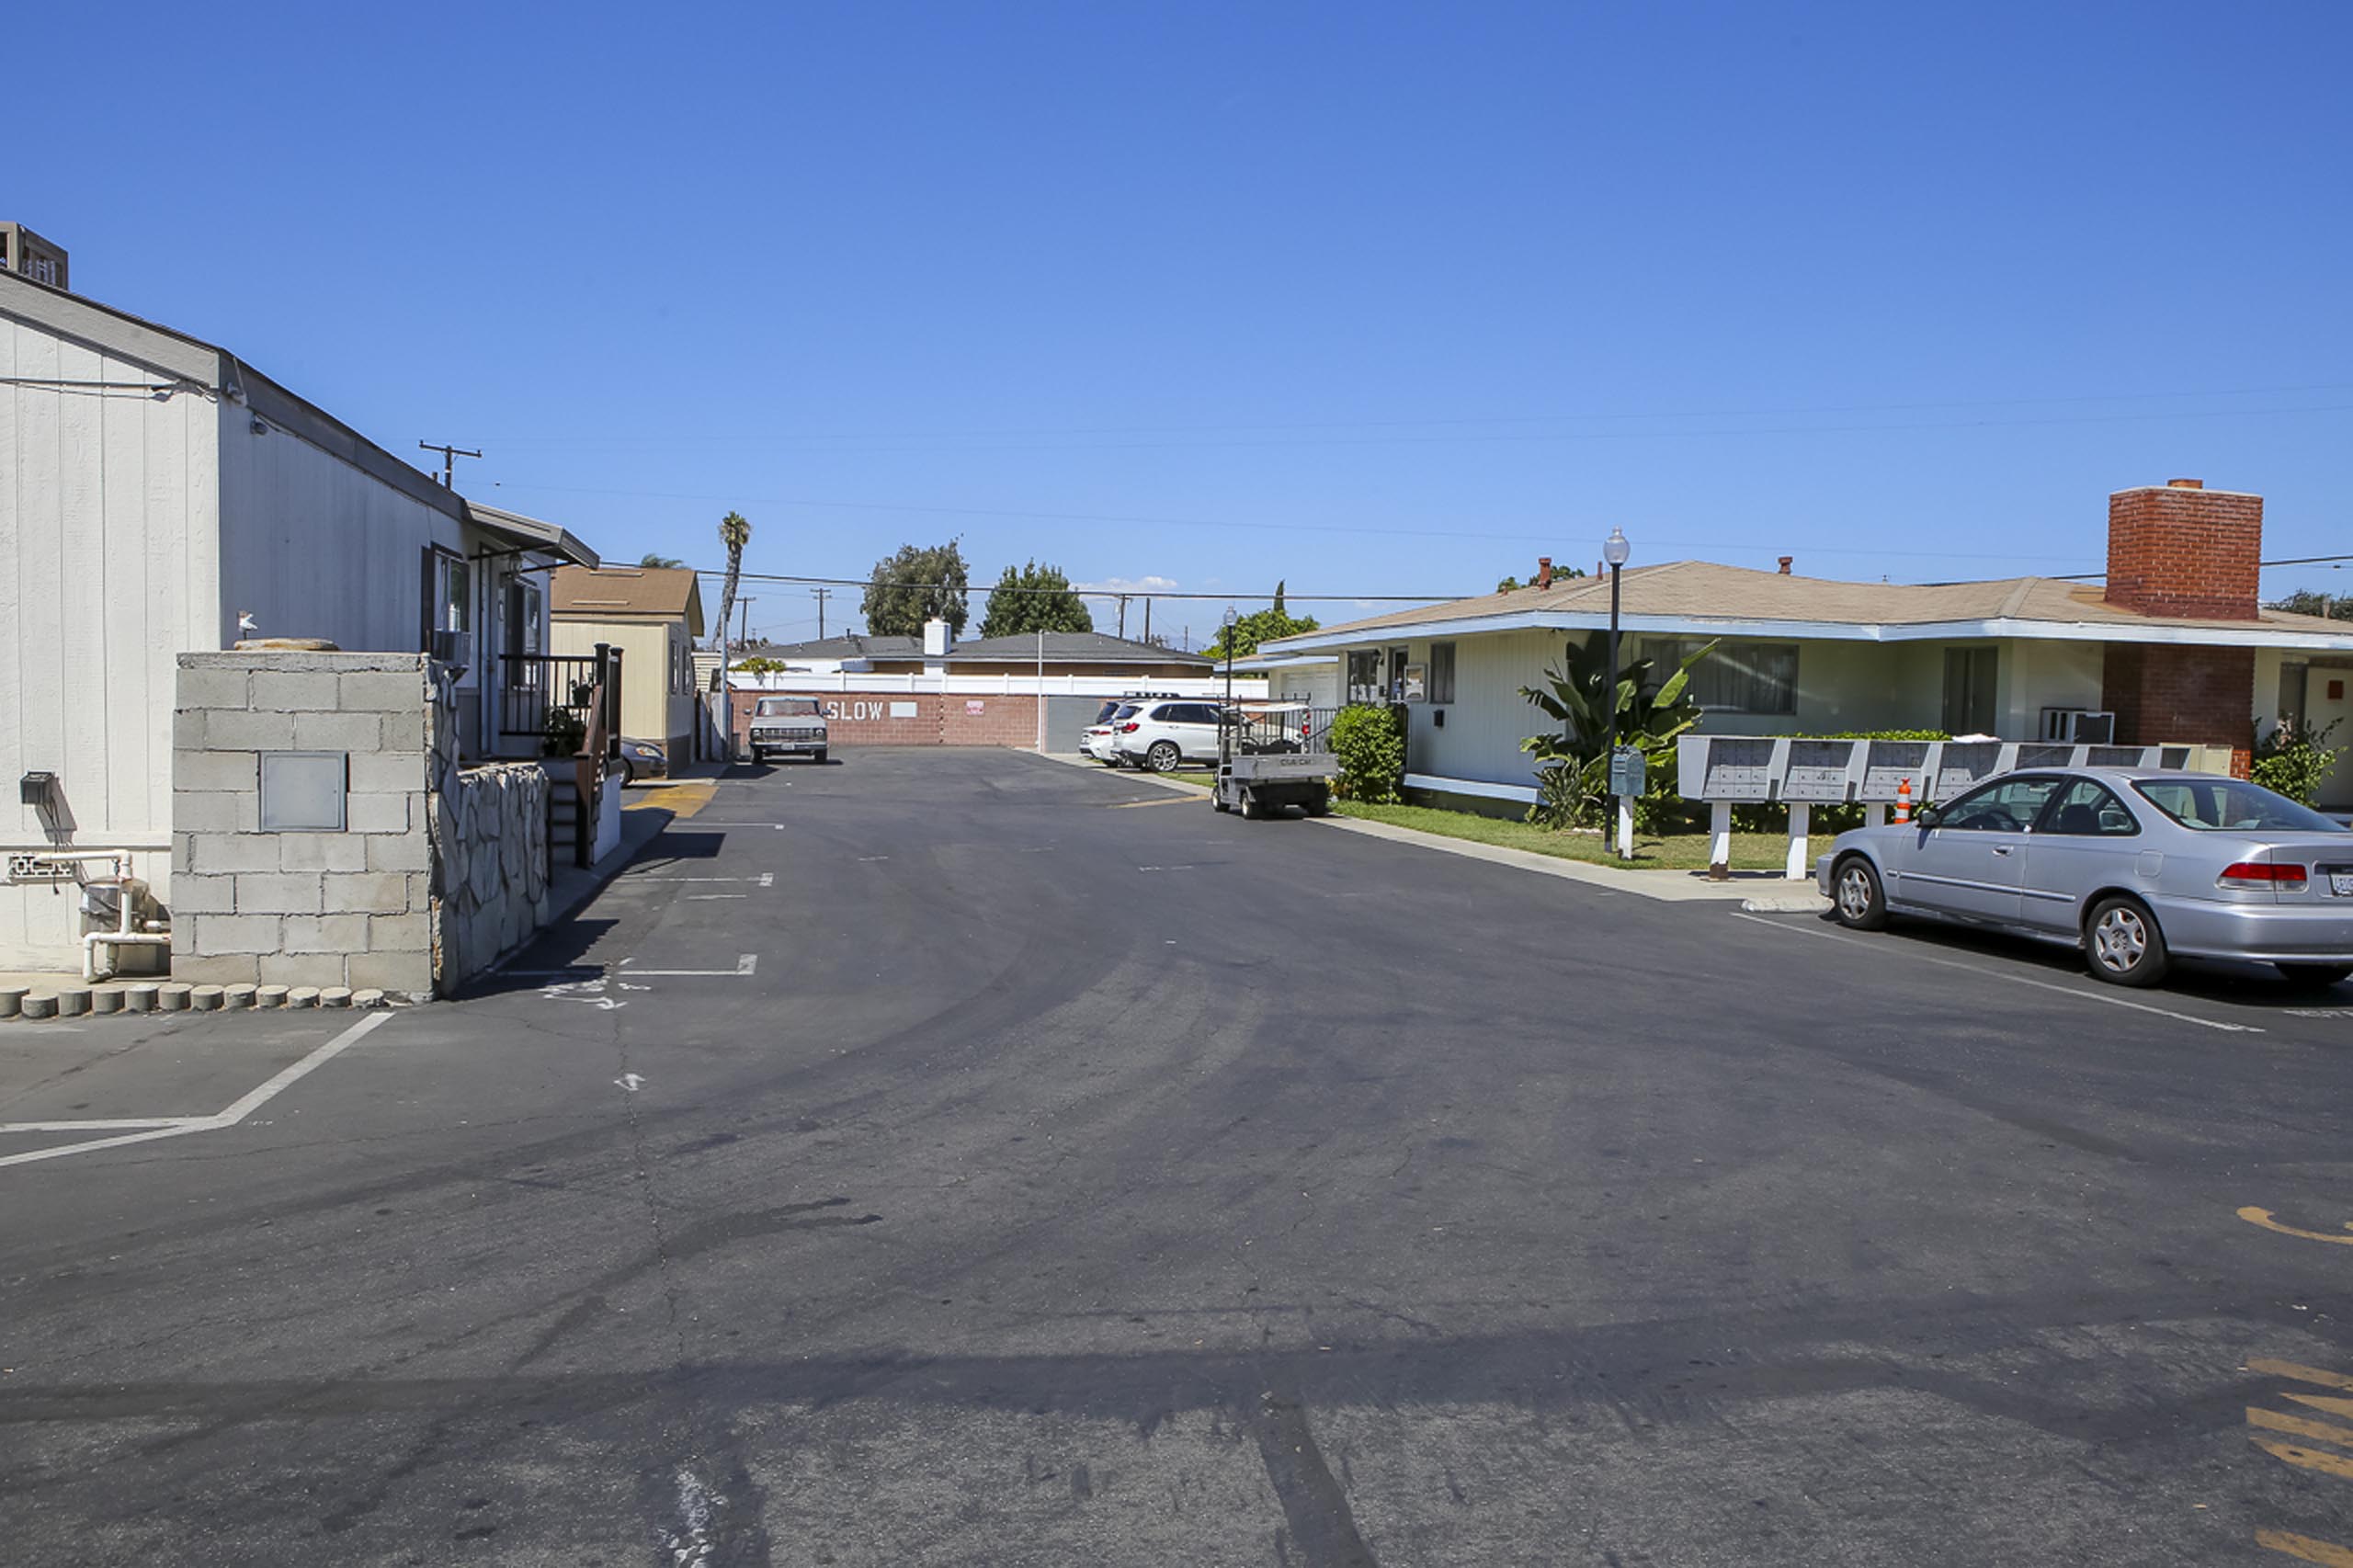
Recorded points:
1544,571
2181,548
1788,562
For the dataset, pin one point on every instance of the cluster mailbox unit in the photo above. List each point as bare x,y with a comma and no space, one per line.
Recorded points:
1802,773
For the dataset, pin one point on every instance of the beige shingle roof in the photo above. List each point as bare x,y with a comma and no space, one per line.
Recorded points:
1704,591
626,591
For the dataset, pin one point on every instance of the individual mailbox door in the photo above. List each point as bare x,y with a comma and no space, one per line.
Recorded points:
1739,768
1961,764
1888,765
1819,770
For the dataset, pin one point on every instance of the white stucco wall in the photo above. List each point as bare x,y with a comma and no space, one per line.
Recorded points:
109,568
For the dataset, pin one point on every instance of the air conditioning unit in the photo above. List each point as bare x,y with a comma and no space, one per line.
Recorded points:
2079,726
453,647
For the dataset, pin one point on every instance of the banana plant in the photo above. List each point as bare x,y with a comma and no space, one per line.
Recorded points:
1573,761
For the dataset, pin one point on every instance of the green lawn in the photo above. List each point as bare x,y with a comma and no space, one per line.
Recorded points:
1675,852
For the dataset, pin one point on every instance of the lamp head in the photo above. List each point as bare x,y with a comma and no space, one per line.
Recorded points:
1615,550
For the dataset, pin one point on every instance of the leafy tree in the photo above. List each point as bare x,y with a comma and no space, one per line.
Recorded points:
912,586
1559,575
651,560
1572,767
734,532
2306,601
760,666
1261,625
1034,598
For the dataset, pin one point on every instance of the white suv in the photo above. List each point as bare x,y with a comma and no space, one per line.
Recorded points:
1163,735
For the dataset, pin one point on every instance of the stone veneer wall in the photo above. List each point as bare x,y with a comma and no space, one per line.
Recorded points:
491,868
352,908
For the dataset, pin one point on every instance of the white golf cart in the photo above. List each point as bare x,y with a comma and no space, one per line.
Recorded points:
1272,754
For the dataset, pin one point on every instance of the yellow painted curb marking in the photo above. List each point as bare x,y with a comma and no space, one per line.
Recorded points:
2298,1372
2306,1547
2262,1217
2305,1458
1171,800
2298,1425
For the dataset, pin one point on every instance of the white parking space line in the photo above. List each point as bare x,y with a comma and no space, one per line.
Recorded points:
108,1124
746,963
766,879
1985,973
237,1111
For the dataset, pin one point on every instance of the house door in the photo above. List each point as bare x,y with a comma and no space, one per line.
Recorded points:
2328,701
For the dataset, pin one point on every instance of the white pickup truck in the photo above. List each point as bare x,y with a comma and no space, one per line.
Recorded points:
784,726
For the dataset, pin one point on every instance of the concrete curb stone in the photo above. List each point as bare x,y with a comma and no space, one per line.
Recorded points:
72,1004
105,1001
12,1000
370,997
269,995
173,997
207,999
335,996
236,998
40,1004
139,998
302,996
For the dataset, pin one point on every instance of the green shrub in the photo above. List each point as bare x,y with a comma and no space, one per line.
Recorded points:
2293,760
1369,743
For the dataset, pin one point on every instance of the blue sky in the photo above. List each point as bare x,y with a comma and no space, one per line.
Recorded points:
1376,299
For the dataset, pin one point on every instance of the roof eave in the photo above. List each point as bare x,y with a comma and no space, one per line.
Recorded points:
2012,627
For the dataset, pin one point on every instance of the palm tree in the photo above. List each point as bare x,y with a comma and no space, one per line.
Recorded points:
660,561
734,532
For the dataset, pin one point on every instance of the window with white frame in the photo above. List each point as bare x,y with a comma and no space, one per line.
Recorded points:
1738,677
452,593
1365,682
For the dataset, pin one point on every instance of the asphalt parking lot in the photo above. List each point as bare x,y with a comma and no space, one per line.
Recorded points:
945,1157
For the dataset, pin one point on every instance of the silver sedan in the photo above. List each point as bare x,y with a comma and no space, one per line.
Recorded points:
2134,867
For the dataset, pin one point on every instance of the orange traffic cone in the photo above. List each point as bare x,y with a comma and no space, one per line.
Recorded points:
1904,800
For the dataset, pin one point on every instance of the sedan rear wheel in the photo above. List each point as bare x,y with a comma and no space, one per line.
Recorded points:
1859,899
2123,945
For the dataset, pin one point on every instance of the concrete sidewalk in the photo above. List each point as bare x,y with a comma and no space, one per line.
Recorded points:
1758,891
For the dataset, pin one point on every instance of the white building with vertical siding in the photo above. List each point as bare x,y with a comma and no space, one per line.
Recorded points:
153,491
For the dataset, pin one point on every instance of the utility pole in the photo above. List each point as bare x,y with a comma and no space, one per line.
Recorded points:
742,626
821,594
1123,615
1147,620
450,456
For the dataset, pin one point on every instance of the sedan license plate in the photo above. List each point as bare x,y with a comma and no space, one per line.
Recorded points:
2340,884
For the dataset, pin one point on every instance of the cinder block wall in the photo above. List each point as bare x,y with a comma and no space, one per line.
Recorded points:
305,908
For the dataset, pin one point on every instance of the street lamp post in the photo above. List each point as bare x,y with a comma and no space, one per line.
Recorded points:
1615,550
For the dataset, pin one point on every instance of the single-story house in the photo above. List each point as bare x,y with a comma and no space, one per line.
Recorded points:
1073,653
2174,644
852,650
1063,652
653,614
160,497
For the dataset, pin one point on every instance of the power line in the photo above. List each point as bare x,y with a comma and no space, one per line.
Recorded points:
1561,418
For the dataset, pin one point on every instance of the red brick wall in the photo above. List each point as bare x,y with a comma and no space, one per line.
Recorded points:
2180,550
867,719
2166,691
